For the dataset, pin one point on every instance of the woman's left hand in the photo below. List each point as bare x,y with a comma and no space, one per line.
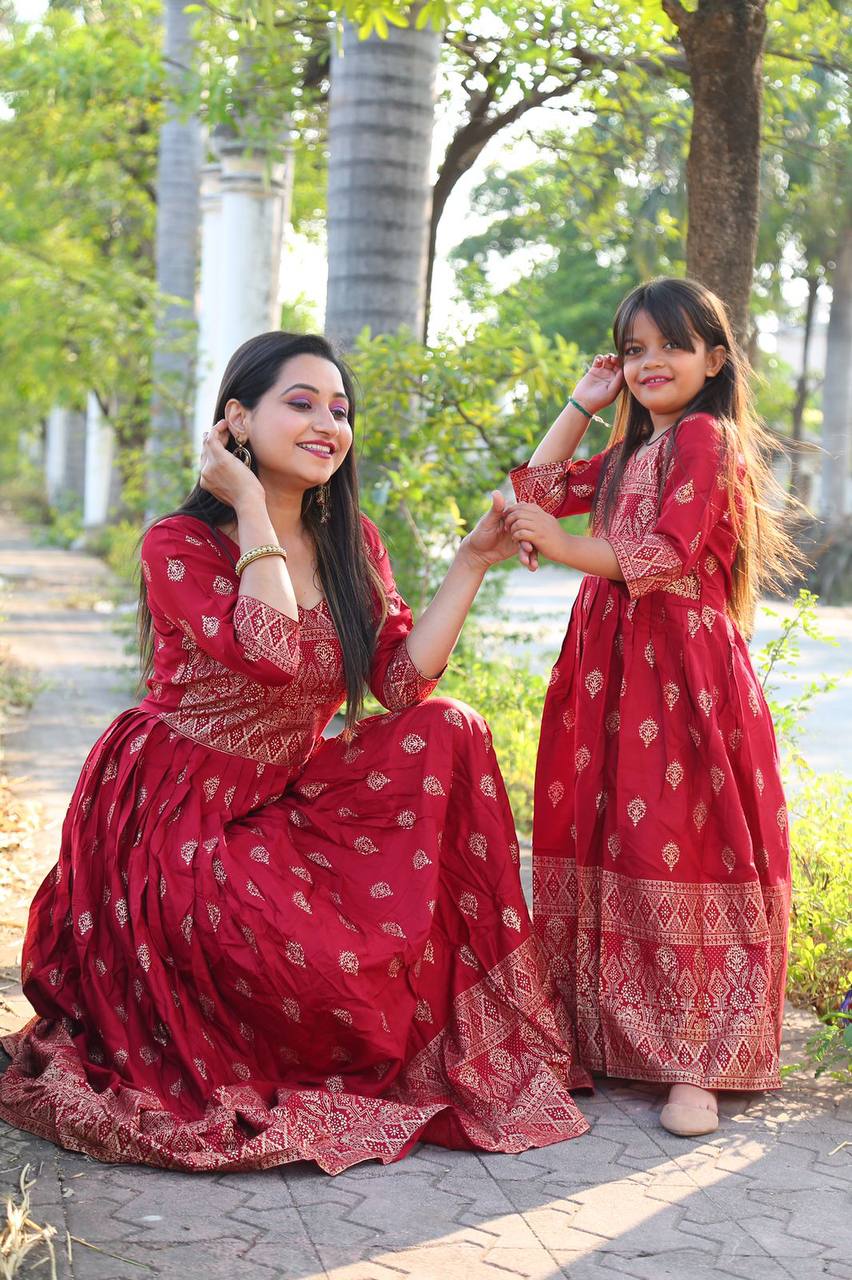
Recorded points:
489,542
528,524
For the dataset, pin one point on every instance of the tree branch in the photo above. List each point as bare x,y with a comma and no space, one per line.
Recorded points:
674,10
811,60
654,66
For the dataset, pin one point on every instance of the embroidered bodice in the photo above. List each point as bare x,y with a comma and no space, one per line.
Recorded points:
235,674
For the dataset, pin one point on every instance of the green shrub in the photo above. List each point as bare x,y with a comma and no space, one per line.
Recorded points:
820,961
829,1050
511,698
780,656
819,969
118,545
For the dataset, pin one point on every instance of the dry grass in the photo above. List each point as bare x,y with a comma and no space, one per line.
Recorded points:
19,823
19,820
18,688
20,1234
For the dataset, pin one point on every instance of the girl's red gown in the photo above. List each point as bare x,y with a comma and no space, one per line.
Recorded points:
661,876
258,946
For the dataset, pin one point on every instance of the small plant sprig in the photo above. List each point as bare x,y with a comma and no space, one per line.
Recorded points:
820,928
780,656
829,1051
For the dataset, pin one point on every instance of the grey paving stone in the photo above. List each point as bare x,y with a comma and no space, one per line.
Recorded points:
407,1211
677,1264
442,1261
295,1260
266,1189
328,1224
483,1194
201,1260
178,1209
822,1215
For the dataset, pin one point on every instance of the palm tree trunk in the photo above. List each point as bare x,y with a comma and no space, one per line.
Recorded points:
837,387
381,115
178,212
796,487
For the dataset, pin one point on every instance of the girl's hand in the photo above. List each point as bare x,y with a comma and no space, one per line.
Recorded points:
528,556
225,476
489,542
600,384
528,524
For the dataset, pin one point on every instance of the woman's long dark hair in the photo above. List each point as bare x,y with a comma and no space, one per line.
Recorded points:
684,310
349,579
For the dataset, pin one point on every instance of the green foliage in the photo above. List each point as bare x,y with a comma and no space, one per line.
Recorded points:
78,145
774,393
578,238
512,697
829,1050
18,688
118,544
64,528
820,963
781,656
440,427
820,940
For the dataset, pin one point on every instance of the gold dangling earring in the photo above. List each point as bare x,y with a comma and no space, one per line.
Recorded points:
242,453
323,502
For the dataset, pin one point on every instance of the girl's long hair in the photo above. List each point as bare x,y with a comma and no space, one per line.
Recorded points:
684,310
349,579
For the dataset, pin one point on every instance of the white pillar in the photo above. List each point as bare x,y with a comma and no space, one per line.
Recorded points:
64,460
253,195
56,453
209,374
100,443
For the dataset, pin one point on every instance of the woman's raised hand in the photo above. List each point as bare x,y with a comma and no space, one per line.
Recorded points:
600,384
489,541
225,476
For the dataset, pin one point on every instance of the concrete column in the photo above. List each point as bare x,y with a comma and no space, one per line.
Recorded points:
209,373
56,453
100,445
253,192
64,455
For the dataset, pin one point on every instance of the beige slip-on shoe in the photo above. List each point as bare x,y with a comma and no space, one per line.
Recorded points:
688,1122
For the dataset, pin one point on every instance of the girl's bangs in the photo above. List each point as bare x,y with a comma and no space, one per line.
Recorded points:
668,308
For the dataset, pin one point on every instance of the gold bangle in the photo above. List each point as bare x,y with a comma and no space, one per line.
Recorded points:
257,553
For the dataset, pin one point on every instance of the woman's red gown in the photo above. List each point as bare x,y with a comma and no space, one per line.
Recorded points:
661,871
258,946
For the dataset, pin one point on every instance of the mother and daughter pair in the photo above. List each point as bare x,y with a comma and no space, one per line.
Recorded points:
260,946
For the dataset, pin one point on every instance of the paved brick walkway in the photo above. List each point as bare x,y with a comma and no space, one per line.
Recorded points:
769,1197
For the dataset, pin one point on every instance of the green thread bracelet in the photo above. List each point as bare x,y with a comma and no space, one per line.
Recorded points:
577,405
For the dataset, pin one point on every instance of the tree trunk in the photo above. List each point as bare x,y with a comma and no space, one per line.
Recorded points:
723,42
381,114
178,182
837,387
797,417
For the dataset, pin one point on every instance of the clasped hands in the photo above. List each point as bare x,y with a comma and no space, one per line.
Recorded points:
521,529
535,533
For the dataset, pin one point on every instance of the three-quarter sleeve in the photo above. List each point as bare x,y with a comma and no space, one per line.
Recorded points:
394,679
693,501
561,488
191,586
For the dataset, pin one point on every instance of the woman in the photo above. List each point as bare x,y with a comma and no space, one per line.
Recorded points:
258,946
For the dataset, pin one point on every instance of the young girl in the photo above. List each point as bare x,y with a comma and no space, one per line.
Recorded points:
660,851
